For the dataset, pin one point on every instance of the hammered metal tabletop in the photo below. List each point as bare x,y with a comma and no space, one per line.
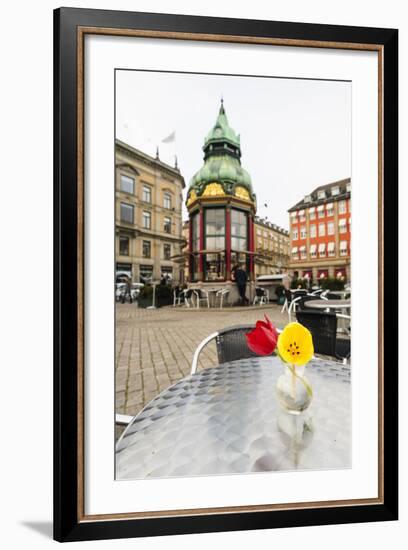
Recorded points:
227,419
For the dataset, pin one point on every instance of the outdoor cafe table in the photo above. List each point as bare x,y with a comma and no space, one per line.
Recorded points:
329,304
227,419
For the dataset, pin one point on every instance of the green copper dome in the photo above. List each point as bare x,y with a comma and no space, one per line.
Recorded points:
222,165
222,131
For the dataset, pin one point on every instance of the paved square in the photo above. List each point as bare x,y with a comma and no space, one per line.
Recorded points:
154,348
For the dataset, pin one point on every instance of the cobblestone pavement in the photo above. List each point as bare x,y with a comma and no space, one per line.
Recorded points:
154,348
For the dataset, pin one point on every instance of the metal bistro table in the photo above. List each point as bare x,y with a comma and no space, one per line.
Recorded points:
226,420
330,304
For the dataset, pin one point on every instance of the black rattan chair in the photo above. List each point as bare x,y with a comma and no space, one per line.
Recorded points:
302,304
323,327
231,345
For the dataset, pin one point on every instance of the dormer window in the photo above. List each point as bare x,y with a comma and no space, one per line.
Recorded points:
308,198
321,194
335,191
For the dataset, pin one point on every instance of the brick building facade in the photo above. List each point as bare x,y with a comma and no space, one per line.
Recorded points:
320,232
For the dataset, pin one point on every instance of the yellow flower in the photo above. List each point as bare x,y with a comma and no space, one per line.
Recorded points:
295,344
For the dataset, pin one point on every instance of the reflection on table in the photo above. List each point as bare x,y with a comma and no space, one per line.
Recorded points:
226,420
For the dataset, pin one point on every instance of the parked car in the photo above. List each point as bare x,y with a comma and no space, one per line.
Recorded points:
134,291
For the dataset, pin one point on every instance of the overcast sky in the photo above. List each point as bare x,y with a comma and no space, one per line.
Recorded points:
295,134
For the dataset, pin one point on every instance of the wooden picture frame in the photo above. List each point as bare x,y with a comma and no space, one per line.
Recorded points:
70,28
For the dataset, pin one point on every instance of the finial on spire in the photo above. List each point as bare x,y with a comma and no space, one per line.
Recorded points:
157,153
222,110
175,162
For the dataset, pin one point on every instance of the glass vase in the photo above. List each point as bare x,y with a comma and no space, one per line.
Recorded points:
294,390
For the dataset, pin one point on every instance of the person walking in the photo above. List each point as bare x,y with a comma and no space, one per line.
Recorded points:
241,279
127,291
287,281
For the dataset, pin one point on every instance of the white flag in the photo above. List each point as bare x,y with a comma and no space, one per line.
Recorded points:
170,138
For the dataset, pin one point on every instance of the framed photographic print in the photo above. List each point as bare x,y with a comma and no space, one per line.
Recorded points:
225,336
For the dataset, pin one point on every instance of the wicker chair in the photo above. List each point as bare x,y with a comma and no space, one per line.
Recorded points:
231,345
323,327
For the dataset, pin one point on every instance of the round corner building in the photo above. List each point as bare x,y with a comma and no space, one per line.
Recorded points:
221,204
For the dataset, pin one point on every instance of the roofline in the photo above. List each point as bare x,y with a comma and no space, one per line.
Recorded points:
151,160
315,202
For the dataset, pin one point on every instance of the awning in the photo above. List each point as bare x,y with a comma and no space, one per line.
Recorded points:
322,247
331,247
320,208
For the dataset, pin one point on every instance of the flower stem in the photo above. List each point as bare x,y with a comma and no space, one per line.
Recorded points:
293,382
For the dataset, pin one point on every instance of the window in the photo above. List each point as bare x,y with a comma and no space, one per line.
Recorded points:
335,191
239,230
167,251
295,234
295,253
167,200
313,251
348,187
303,254
308,198
147,220
127,184
302,217
195,232
322,229
320,211
167,225
322,250
293,217
331,249
329,209
303,232
343,225
312,213
330,228
126,212
321,194
124,246
147,249
214,228
342,207
343,248
312,230
147,193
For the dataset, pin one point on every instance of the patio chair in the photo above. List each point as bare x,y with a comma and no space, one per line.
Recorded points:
323,326
261,296
231,345
123,419
201,296
188,294
222,295
302,303
178,296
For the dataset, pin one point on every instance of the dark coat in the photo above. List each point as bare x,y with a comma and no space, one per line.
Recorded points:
241,277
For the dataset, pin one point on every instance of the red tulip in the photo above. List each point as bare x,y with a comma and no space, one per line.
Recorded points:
263,339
